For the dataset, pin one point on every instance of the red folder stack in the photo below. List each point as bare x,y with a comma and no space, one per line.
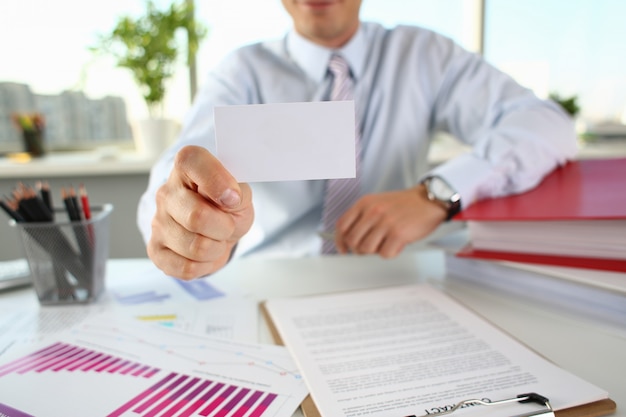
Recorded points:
576,217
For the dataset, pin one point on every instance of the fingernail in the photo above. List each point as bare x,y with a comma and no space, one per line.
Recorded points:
230,198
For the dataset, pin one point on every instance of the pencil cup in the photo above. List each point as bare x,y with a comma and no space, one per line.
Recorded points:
67,259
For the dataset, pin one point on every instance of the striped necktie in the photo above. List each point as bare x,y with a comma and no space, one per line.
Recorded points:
341,193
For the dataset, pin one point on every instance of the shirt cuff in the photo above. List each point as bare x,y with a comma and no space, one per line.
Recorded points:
465,174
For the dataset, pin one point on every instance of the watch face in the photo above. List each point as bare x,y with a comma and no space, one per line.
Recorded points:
440,189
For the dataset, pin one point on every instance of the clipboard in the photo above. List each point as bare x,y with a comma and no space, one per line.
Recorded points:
594,409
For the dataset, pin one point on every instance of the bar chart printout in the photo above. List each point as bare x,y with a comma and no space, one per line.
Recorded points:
132,369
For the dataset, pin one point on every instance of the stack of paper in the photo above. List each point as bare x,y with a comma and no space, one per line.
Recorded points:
115,368
411,350
576,217
587,293
152,345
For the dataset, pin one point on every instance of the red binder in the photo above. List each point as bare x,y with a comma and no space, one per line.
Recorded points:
601,264
585,190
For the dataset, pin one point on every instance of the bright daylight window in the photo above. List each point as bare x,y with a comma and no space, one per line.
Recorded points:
48,66
573,49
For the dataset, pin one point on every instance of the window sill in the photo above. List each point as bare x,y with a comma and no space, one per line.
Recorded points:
112,161
602,148
445,148
67,164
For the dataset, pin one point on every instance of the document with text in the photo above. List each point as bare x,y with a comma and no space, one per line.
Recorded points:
413,350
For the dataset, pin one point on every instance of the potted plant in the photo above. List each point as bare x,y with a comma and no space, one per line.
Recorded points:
31,127
149,46
569,104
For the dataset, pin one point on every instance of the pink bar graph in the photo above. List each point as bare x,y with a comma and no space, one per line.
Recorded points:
118,366
130,404
169,400
173,395
76,365
243,409
71,361
17,364
109,364
152,372
221,397
162,393
60,359
186,399
141,370
43,360
96,363
230,405
260,409
182,396
87,363
202,400
129,368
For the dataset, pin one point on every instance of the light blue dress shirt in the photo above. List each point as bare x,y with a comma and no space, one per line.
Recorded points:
409,83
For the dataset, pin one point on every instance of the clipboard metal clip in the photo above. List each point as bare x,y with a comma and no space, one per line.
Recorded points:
532,397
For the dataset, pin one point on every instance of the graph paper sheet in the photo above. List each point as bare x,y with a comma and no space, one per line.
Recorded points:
107,367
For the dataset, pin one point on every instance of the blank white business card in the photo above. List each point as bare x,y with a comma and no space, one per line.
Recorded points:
287,141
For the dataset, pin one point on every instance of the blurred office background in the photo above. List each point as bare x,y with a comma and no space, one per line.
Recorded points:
571,48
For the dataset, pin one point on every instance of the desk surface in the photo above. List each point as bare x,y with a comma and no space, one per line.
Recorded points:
589,348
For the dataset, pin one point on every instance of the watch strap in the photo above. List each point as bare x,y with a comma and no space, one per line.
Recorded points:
451,204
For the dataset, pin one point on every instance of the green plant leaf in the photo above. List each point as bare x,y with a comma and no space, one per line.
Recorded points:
149,46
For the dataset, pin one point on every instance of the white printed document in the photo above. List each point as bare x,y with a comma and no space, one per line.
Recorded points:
412,350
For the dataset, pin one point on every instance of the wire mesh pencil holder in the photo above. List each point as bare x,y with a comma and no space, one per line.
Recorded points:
67,259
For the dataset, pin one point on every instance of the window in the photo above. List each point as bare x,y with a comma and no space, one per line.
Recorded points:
49,55
45,61
573,48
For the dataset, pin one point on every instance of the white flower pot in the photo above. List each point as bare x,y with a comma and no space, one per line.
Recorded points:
153,136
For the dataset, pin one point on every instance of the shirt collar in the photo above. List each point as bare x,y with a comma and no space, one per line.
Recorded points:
313,58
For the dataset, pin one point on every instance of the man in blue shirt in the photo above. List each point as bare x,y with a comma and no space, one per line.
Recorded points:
408,84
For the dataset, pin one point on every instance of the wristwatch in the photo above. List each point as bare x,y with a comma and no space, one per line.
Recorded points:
440,192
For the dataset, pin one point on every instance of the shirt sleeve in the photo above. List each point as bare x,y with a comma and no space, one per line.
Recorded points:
515,137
